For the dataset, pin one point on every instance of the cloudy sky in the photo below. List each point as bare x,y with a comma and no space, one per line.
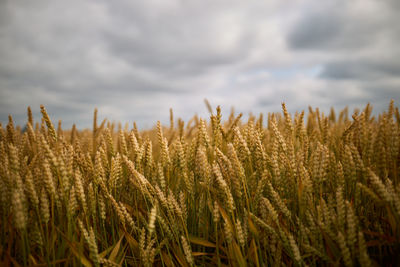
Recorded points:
134,60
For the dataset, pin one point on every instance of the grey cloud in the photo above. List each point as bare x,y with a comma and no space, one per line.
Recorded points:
342,25
171,45
357,93
136,59
316,31
360,70
356,44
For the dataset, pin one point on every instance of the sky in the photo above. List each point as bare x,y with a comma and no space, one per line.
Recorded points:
134,60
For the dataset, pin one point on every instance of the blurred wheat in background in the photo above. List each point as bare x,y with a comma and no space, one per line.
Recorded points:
290,189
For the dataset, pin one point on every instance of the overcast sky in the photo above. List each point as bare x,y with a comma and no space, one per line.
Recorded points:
134,60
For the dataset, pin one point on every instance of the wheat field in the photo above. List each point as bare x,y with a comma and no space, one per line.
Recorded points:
304,189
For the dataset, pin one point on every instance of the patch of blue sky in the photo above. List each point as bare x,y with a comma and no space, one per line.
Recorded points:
279,73
291,72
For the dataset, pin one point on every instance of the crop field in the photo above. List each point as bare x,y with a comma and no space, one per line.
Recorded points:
303,189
